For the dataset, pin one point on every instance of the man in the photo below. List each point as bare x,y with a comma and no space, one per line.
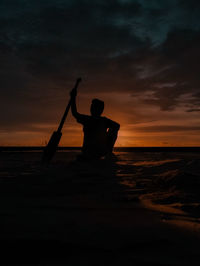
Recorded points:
100,133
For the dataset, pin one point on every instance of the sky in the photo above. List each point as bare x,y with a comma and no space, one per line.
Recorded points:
140,56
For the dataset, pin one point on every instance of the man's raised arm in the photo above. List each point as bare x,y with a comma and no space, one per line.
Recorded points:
80,118
73,103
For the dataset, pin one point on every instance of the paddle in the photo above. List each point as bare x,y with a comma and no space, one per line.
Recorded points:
52,145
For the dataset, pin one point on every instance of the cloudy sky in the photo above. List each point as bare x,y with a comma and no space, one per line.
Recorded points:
141,57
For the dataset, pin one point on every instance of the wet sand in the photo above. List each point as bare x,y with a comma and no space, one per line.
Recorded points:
73,214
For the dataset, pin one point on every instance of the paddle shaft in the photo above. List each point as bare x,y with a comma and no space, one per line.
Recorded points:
64,117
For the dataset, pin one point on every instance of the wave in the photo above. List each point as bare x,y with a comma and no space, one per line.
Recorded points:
164,182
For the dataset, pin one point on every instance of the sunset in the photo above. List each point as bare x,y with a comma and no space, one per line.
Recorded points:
140,57
100,132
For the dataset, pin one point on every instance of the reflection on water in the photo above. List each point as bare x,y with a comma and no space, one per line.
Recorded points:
128,183
165,182
155,163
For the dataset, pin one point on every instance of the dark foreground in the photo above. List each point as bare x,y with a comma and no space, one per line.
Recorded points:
138,209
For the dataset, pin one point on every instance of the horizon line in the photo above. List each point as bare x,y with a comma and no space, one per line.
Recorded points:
117,147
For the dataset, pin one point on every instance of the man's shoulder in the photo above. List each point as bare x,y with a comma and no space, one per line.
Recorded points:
111,123
98,117
104,118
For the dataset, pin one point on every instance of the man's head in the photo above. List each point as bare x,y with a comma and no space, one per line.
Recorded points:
97,107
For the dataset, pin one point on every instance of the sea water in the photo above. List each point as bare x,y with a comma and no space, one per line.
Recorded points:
165,181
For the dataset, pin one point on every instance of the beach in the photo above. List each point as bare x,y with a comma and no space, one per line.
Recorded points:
138,208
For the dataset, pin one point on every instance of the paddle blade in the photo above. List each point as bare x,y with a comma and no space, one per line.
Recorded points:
51,147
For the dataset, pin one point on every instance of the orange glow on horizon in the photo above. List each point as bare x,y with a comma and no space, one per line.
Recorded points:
126,138
141,125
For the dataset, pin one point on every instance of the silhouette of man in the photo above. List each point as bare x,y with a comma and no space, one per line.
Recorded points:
100,133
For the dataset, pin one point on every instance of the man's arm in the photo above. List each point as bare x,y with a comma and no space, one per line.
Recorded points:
73,103
113,126
80,118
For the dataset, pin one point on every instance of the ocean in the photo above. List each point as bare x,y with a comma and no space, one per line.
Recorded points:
162,179
139,207
167,182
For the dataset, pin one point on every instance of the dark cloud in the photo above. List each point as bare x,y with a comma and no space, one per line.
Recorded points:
193,110
191,5
168,128
148,49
